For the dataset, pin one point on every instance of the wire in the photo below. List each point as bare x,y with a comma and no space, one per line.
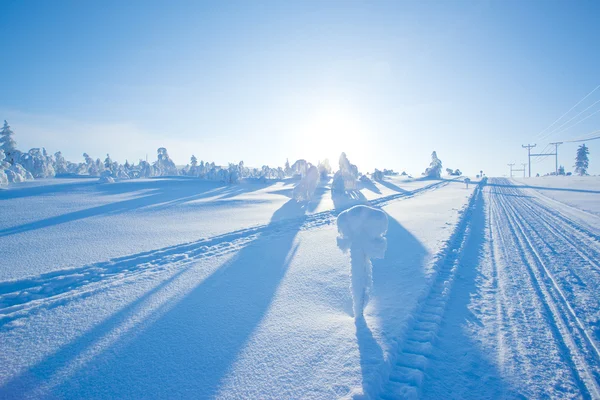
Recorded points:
571,109
571,119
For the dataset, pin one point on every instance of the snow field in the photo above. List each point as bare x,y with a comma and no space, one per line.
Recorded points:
265,311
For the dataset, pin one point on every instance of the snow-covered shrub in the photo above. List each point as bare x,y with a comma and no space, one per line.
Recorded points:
435,167
324,169
300,167
362,230
345,178
38,163
305,189
60,164
377,175
16,173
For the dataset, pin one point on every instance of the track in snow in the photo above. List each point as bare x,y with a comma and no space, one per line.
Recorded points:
22,297
534,273
547,274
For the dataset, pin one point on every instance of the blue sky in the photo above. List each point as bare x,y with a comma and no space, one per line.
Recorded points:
386,82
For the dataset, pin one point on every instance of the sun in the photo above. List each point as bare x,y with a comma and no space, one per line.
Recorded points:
328,132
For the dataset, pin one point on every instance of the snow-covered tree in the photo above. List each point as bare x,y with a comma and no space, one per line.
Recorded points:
435,167
324,169
38,163
164,165
345,178
60,164
287,170
108,163
561,170
582,160
305,189
377,175
7,143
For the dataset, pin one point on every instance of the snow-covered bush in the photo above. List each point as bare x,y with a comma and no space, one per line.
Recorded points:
60,164
324,169
305,189
362,230
377,175
38,163
345,178
16,173
435,167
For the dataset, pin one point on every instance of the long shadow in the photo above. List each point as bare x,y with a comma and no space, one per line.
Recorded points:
16,192
391,186
397,278
369,185
30,379
188,350
371,356
347,199
460,367
165,192
545,188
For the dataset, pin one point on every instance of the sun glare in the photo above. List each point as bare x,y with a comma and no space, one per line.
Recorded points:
328,132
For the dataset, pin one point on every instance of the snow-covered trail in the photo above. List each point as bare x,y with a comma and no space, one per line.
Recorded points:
522,315
546,274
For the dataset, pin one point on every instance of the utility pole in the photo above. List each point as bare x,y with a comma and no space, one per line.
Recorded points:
511,165
529,147
523,164
556,144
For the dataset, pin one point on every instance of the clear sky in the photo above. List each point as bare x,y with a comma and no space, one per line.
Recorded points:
259,81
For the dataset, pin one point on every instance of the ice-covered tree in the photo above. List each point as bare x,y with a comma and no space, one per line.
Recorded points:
377,175
345,178
324,169
164,165
38,163
435,167
7,143
287,170
108,163
582,160
60,164
305,189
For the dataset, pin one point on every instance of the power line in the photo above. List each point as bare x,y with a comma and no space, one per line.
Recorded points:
581,120
571,119
571,109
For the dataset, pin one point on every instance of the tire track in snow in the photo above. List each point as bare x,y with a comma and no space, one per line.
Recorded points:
407,367
21,297
574,342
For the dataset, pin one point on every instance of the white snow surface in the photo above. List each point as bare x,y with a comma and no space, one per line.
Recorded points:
178,288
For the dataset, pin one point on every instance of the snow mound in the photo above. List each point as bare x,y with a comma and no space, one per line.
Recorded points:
106,179
365,227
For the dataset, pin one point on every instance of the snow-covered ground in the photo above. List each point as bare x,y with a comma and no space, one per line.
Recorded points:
175,288
578,191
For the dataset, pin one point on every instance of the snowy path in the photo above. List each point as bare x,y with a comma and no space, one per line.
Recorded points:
515,313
